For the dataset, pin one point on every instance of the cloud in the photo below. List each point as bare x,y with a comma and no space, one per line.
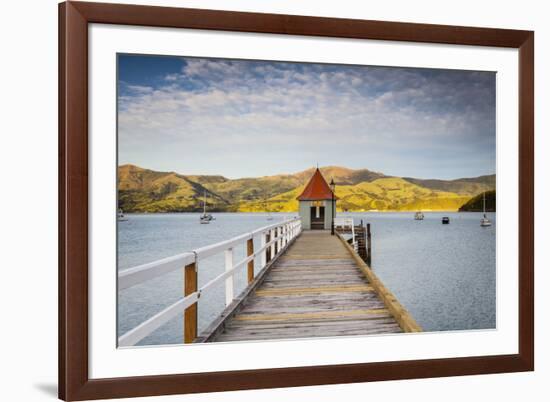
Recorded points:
258,105
139,89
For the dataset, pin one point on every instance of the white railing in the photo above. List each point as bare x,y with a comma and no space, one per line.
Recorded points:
273,240
347,224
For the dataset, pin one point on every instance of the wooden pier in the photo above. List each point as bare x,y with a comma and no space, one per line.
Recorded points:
315,289
311,284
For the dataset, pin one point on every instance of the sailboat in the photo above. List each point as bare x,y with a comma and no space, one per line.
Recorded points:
205,218
120,216
484,221
419,216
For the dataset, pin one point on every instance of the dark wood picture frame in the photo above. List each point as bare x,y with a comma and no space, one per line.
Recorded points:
74,381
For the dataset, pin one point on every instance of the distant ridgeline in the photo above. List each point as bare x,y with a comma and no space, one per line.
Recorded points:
143,190
476,203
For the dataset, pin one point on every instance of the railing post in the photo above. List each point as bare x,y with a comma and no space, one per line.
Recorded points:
276,244
263,256
290,231
229,280
190,321
273,245
249,252
368,244
277,241
268,249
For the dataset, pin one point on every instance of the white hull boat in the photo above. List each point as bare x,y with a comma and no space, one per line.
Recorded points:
484,222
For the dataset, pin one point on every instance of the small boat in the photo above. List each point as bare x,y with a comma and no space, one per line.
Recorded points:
120,216
445,220
419,216
205,218
484,221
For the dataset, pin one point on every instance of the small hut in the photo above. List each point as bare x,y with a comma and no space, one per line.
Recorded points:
316,203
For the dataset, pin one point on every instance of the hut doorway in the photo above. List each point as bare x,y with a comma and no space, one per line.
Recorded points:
317,215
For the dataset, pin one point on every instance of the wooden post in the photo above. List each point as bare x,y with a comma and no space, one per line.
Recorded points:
190,319
268,249
229,293
273,251
368,245
249,252
278,242
263,255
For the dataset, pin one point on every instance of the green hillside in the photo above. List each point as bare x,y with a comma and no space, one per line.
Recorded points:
467,186
143,190
475,204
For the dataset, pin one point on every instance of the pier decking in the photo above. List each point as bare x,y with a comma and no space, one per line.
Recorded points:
315,289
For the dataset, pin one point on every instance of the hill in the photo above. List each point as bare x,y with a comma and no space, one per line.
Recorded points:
475,204
144,190
466,186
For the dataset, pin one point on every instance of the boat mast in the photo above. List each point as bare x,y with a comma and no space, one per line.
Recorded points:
484,203
204,204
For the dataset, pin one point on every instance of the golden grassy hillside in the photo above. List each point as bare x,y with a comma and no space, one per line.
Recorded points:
144,190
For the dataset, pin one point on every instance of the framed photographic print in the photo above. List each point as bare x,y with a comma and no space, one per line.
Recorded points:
258,200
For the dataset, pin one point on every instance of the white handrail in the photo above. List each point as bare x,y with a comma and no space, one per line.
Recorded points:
133,276
142,273
280,235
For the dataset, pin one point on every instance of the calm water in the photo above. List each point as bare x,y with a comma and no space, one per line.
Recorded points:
445,275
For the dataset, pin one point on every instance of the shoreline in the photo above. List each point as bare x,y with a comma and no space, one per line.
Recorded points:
296,212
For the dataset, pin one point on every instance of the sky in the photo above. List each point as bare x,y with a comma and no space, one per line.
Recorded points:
247,118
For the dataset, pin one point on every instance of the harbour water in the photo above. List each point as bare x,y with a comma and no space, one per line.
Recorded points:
445,275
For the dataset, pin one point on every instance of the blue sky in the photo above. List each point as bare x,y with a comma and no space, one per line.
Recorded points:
254,118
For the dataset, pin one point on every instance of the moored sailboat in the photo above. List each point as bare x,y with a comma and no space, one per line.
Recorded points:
484,221
205,218
120,216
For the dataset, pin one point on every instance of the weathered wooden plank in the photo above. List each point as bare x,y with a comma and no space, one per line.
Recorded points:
321,289
308,327
283,262
313,299
309,309
331,278
229,337
320,300
314,270
372,320
303,283
279,332
308,256
301,316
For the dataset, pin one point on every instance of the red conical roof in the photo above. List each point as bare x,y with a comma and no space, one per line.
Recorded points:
316,189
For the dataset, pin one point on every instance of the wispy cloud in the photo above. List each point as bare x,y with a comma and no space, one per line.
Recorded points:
266,112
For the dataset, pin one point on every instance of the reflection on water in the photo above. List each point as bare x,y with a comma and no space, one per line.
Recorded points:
445,275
